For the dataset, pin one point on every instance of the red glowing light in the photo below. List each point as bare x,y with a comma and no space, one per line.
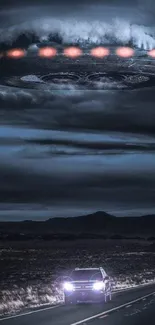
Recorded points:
47,52
125,52
72,52
99,52
16,53
152,53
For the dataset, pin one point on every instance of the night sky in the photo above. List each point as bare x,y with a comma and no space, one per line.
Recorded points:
76,152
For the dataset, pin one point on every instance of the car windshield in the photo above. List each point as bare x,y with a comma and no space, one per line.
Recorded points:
88,275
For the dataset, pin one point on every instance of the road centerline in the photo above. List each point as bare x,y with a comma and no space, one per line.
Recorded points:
111,310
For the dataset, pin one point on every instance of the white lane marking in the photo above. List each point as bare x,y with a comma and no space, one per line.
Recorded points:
110,310
104,316
29,312
128,306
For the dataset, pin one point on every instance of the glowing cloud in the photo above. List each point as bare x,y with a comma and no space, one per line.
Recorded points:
125,52
99,52
16,53
47,52
152,53
72,52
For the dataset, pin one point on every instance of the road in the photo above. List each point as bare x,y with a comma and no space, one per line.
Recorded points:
130,307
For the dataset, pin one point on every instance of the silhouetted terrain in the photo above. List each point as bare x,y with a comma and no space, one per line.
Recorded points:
97,225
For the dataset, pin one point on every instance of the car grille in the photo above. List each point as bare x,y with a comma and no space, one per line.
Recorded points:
82,286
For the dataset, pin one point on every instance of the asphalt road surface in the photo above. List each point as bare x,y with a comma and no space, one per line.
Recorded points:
130,307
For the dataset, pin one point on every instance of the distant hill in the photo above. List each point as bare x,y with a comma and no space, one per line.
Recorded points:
99,223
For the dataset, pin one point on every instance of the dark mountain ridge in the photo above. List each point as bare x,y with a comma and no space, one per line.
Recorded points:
100,223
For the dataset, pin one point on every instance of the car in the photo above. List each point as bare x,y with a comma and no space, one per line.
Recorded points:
87,285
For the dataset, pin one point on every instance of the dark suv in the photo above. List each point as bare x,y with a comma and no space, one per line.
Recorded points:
87,284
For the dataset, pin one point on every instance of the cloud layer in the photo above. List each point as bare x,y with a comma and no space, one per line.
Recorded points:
77,151
121,23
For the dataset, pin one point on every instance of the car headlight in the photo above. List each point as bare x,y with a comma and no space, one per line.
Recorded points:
68,286
99,285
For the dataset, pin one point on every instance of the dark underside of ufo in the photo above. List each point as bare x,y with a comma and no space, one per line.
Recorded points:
84,72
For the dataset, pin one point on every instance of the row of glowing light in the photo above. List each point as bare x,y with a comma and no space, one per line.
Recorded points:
97,286
75,52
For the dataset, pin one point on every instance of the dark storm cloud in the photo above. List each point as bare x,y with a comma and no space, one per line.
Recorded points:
58,143
18,3
84,163
68,187
52,184
97,146
117,111
6,3
85,20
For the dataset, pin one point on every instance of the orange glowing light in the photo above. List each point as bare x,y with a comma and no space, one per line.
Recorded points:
72,52
99,52
152,53
47,52
16,53
125,52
